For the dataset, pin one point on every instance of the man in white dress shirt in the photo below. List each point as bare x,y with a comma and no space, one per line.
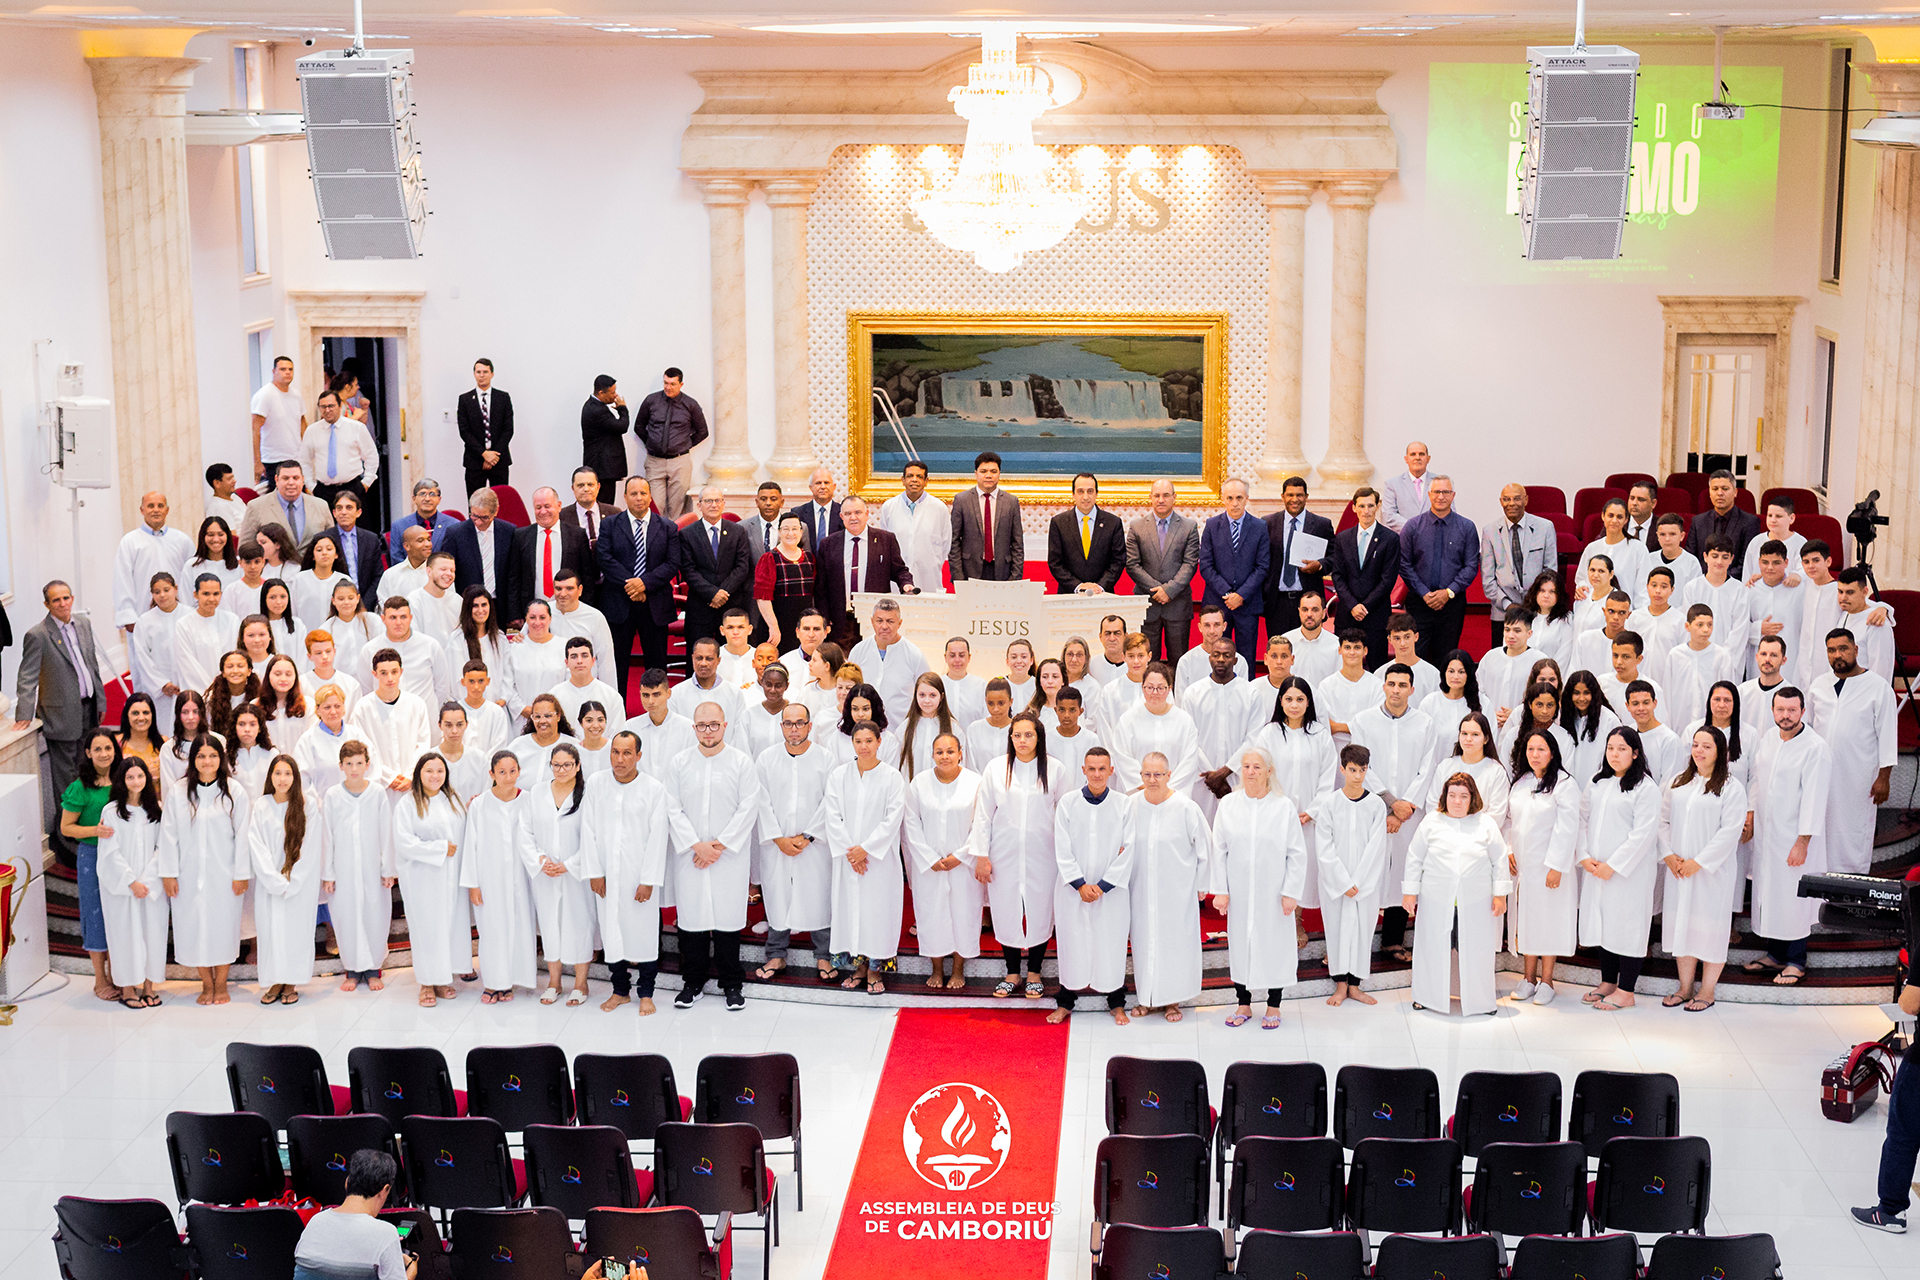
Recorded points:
924,526
1316,650
574,617
1854,710
1406,495
890,662
338,453
152,548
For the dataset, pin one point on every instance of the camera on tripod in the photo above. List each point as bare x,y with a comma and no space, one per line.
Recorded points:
1865,518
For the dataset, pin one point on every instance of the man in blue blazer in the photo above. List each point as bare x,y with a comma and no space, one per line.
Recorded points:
1235,554
638,555
365,550
464,542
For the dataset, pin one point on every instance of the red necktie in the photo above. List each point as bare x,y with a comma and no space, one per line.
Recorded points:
546,563
986,522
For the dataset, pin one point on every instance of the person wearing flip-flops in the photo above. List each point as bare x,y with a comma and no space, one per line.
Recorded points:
866,803
563,905
1092,843
1791,770
1013,848
1172,850
1616,897
1702,816
283,842
1258,872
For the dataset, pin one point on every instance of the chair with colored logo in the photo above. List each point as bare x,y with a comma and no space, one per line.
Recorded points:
511,1244
318,1148
399,1082
715,1169
281,1081
1385,1102
519,1085
1269,1100
1691,1257
1286,1255
1161,1253
1477,1257
1608,1257
223,1157
1288,1184
423,1242
1151,1096
1150,1181
1652,1185
1405,1184
460,1162
1505,1106
577,1168
117,1240
1528,1189
242,1244
760,1089
1622,1104
668,1242
633,1092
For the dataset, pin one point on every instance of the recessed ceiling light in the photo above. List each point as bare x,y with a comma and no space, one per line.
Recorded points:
972,28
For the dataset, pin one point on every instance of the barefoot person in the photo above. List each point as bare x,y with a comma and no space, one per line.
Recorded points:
1092,844
1258,871
1351,824
623,854
947,894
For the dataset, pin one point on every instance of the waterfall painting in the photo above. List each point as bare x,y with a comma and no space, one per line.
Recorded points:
1132,397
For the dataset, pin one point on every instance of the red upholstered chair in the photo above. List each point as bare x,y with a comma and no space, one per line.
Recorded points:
1588,502
1347,519
1673,499
1628,479
1826,529
1906,634
245,494
1566,536
1546,499
1805,501
1694,482
512,509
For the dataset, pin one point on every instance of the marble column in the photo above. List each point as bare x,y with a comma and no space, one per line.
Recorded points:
1286,200
731,464
1345,465
143,163
1890,378
788,197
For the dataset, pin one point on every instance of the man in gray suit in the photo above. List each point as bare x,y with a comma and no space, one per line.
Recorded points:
763,530
1514,551
302,515
61,679
991,548
1162,551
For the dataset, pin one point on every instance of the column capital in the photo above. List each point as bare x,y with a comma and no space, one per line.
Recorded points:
1896,85
1285,190
143,87
789,190
1354,190
722,191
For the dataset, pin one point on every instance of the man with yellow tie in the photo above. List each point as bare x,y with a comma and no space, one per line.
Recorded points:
1086,547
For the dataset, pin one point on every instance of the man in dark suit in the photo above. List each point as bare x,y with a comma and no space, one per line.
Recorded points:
638,555
1086,547
762,530
485,418
538,552
717,565
603,432
1234,557
871,554
1163,550
1362,564
987,541
365,550
821,516
1287,582
61,679
481,547
586,512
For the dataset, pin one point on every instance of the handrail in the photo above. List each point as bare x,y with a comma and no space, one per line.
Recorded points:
899,429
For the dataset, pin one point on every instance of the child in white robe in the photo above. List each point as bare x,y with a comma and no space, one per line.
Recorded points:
132,899
947,896
283,840
1013,837
1543,840
429,830
866,799
357,867
1350,827
493,871
204,867
1256,873
562,903
1093,849
1701,816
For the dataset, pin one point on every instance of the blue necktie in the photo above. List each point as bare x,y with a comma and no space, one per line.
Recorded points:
713,533
639,547
294,520
820,522
333,452
1292,579
1233,528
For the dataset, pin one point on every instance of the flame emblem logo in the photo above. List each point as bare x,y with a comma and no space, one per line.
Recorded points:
1274,1107
502,1254
1285,1183
1406,1179
1384,1111
337,1162
642,1257
266,1085
745,1098
1151,1182
621,1099
237,1251
445,1159
113,1245
1160,1272
511,1084
571,1176
704,1167
1532,1192
1625,1116
394,1090
1151,1100
1718,1274
211,1158
1658,1187
956,1136
1510,1116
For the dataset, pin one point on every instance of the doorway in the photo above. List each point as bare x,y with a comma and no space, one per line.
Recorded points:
1720,392
365,360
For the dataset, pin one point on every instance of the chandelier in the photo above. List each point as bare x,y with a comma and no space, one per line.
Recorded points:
999,207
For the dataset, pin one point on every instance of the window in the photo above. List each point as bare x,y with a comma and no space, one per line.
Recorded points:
1833,212
260,354
250,164
1823,379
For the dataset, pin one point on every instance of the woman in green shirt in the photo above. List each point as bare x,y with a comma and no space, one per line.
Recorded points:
80,809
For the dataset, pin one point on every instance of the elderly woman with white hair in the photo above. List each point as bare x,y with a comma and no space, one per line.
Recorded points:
1257,876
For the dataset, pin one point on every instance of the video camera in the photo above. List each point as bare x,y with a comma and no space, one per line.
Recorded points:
1864,520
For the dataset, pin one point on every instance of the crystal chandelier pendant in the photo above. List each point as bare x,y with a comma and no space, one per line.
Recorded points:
999,206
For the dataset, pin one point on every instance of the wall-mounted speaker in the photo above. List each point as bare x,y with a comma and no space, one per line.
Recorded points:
361,153
1579,151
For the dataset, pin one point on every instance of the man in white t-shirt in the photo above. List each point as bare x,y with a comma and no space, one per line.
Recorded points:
278,420
221,500
350,1239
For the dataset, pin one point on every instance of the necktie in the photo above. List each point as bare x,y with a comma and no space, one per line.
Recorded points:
593,532
1233,530
333,453
1086,536
486,414
73,652
639,546
295,520
347,545
819,524
713,535
1292,582
853,577
1163,537
986,528
1513,532
766,536
546,563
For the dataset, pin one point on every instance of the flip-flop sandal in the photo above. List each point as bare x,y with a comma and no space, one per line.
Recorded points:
1592,997
1789,976
1035,990
853,982
291,997
828,976
875,987
1004,988
550,996
1239,1019
1699,1006
150,1001
1673,1001
487,997
577,996
768,972
428,1000
133,1002
1270,1024
1762,965
270,996
1609,1006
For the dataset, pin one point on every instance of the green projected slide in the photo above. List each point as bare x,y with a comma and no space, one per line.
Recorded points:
1701,190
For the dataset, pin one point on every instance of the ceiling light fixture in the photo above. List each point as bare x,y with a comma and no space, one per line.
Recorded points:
999,207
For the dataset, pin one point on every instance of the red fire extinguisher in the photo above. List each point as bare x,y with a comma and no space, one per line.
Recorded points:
7,877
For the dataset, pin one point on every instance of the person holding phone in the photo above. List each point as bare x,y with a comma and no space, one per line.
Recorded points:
351,1238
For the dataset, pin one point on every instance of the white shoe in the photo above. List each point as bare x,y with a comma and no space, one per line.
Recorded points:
1524,990
1544,994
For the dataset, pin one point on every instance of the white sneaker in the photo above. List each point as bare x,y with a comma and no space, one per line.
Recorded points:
1524,990
1544,995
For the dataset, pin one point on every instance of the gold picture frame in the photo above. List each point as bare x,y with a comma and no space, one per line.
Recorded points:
1089,416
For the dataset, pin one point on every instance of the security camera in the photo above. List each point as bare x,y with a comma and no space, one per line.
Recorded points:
308,42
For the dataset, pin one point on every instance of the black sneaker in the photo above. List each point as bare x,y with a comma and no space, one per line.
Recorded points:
736,1001
687,997
1880,1220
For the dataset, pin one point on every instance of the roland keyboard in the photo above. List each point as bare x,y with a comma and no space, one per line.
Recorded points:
1870,903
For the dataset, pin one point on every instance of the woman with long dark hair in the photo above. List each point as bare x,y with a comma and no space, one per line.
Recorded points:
81,805
190,721
204,867
283,841
1013,851
131,897
1701,819
1552,609
1458,694
478,636
1543,837
215,551
320,573
429,827
1588,718
1616,900
141,733
562,904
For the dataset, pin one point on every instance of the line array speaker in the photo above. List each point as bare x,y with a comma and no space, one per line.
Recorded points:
1579,151
361,152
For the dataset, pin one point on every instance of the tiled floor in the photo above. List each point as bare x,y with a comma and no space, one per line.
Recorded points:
85,1088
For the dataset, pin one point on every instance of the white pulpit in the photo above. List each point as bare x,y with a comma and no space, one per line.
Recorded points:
991,615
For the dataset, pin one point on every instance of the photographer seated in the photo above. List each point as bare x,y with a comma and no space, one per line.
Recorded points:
350,1242
1902,1146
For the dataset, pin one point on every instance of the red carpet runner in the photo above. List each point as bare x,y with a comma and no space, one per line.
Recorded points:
956,1172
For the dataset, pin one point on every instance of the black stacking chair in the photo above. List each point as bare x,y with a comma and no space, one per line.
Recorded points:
1505,1106
1622,1104
1385,1102
243,1244
669,1242
717,1169
397,1083
1572,1257
634,1092
511,1244
577,1168
1687,1257
1405,1184
1476,1257
1163,1253
281,1081
1283,1255
1288,1184
1147,1097
117,1240
318,1148
423,1241
1269,1100
760,1089
1529,1189
223,1157
1652,1184
1158,1181
460,1163
519,1085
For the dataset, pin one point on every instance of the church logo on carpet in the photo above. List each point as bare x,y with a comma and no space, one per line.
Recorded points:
957,1136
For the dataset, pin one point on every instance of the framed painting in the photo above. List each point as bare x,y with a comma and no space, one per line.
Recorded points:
1131,397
